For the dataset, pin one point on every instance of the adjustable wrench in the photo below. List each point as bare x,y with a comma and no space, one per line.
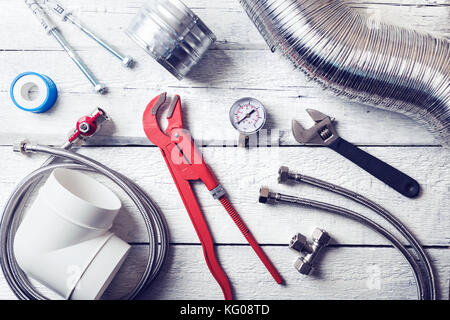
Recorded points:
324,133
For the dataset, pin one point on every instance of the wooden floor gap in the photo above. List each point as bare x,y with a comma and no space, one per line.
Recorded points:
235,146
193,244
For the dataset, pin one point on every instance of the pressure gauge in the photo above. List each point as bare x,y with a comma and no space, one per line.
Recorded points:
248,116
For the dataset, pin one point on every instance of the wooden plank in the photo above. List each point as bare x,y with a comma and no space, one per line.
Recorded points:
111,17
286,95
274,83
246,69
243,172
343,273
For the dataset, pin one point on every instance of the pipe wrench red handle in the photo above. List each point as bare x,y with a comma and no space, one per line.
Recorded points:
201,228
186,164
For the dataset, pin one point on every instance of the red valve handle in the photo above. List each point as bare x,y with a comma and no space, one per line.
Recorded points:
87,126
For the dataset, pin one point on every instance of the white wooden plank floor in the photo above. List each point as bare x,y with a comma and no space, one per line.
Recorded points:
359,265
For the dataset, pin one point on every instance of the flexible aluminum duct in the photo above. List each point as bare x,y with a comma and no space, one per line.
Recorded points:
378,64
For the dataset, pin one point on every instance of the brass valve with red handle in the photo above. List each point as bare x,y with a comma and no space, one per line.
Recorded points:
87,126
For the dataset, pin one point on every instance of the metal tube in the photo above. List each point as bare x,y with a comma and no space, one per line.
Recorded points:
98,87
154,221
420,280
400,227
285,175
57,8
127,61
52,30
385,66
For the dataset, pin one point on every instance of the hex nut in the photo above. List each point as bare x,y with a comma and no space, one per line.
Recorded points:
321,237
19,146
299,243
283,174
303,266
263,195
84,127
100,88
128,62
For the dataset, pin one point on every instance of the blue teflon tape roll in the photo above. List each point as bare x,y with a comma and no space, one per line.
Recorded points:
46,95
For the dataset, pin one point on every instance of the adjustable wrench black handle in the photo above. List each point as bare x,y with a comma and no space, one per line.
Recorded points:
394,178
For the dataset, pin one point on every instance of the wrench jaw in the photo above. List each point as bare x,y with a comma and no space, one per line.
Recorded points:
150,120
304,136
316,115
175,115
156,103
323,133
176,142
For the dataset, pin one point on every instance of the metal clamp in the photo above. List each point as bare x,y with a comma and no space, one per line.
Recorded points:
218,192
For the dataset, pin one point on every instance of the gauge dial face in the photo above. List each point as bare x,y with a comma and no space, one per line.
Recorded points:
248,115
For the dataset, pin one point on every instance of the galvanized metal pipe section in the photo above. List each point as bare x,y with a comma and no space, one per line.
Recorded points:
385,66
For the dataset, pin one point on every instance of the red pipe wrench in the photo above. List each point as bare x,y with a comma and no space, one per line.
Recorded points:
186,164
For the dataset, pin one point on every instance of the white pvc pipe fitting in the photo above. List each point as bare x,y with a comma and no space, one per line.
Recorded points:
64,241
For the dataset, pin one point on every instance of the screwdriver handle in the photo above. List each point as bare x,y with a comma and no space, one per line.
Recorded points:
394,178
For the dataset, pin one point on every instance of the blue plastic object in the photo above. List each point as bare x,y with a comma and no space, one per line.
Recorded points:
51,93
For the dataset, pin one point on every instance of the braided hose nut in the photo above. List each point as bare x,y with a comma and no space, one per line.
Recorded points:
283,174
19,146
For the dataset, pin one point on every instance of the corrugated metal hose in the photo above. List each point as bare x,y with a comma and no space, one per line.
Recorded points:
382,65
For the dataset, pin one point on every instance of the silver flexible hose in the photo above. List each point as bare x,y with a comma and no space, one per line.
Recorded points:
420,281
385,66
13,211
413,242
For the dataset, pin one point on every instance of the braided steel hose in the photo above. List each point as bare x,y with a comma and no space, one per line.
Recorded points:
389,217
13,211
385,66
419,277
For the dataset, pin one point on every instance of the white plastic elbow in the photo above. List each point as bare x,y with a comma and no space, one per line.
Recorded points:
64,241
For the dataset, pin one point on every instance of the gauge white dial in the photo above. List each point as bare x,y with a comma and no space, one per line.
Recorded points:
248,116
